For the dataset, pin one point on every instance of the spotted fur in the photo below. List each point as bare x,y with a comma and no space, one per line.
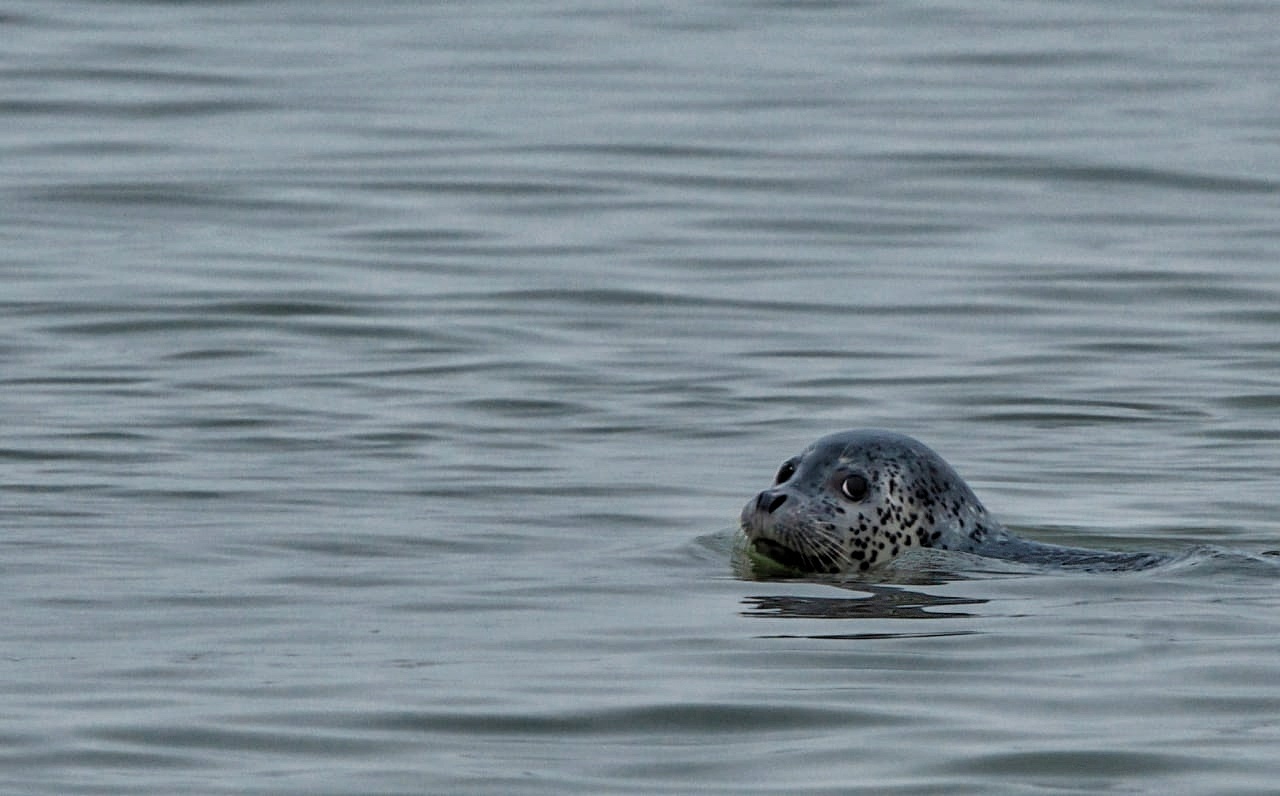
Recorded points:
913,499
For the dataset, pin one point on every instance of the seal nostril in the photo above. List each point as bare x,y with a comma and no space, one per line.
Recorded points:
768,502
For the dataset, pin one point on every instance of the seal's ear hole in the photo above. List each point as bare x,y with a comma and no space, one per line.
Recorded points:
854,487
785,472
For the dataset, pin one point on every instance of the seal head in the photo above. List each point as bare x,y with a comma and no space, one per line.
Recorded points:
859,498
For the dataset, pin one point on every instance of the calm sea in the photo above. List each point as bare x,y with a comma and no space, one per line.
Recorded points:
380,384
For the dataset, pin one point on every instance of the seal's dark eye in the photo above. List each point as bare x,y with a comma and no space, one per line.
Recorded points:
854,487
785,472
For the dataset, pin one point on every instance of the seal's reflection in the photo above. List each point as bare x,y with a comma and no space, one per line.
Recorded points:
884,595
881,602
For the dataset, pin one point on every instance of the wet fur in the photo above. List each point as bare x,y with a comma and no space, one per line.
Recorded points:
914,499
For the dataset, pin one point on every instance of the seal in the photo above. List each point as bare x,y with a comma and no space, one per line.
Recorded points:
858,499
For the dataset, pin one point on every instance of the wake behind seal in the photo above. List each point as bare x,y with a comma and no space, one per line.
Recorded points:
858,499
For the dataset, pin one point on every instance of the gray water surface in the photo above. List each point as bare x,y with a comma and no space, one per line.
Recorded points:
380,386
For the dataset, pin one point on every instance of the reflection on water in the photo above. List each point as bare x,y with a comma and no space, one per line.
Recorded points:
883,602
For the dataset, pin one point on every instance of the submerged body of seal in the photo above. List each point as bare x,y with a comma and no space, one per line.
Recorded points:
857,499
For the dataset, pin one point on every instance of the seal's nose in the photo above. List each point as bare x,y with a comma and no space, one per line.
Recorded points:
768,502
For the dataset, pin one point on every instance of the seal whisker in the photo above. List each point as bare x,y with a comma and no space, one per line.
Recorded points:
823,548
832,558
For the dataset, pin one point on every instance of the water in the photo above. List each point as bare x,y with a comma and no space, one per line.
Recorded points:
381,387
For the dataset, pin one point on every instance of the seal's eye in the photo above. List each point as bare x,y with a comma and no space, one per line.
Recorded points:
854,487
785,472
